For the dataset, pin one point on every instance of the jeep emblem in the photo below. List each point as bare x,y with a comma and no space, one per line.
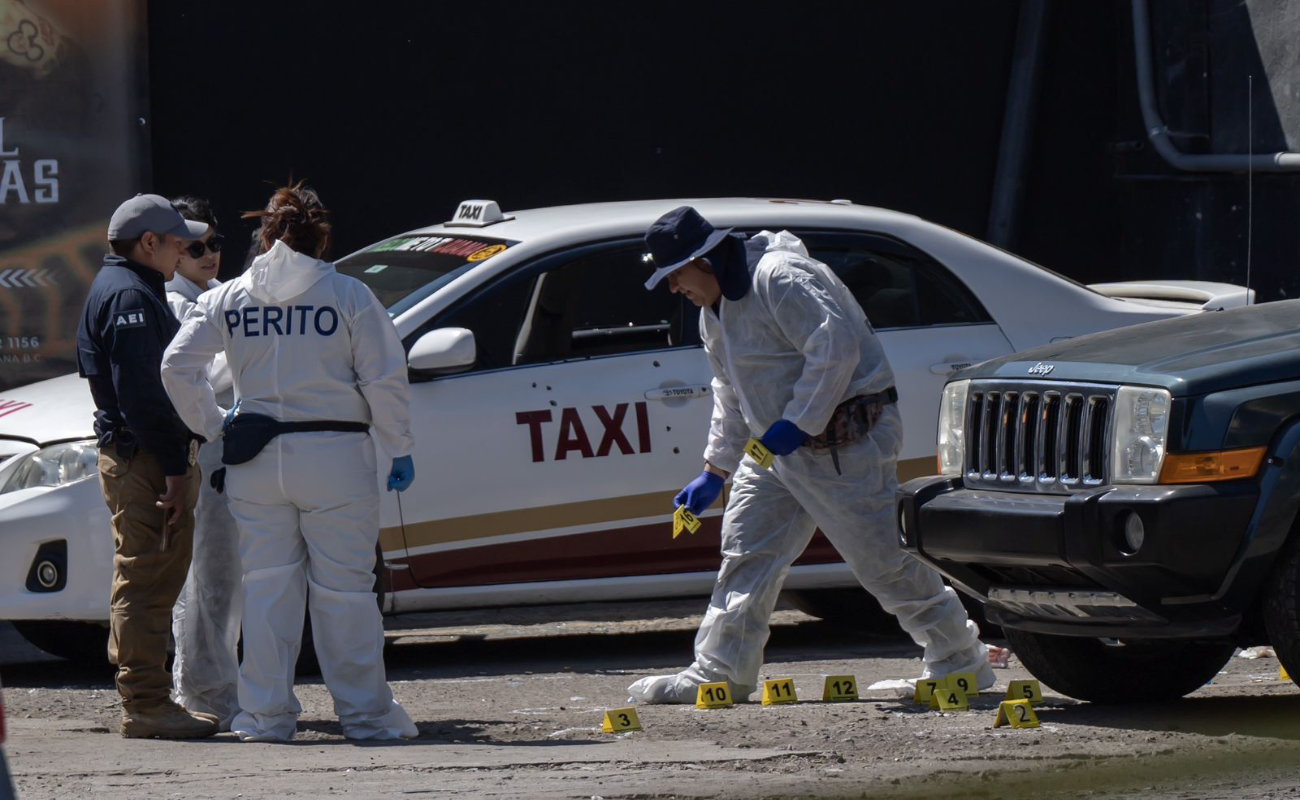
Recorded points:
1041,369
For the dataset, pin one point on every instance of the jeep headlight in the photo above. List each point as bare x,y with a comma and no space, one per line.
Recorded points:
55,465
952,428
1141,427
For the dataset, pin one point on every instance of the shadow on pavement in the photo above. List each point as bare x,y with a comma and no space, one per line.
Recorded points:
446,731
601,652
1268,717
470,654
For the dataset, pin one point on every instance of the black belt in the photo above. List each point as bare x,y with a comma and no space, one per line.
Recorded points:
248,434
340,426
245,437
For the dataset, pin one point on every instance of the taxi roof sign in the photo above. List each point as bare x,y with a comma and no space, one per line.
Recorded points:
477,214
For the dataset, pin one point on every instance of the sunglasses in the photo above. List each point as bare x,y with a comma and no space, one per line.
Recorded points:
213,245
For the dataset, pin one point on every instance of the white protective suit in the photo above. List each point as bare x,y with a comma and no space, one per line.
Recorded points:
304,343
205,619
795,347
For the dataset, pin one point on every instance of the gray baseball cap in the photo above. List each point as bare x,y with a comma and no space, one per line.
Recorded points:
151,212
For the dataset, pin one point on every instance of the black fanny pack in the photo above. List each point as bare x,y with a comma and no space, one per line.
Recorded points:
249,433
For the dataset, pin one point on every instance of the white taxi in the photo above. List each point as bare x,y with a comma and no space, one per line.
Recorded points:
558,405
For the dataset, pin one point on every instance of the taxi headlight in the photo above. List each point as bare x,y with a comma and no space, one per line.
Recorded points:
952,428
55,465
1141,427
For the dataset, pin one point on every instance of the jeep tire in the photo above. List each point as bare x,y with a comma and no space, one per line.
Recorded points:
1282,607
1136,671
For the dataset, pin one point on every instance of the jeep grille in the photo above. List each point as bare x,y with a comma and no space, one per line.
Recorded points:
1037,436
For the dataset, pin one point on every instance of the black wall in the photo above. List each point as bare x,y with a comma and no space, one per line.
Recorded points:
397,111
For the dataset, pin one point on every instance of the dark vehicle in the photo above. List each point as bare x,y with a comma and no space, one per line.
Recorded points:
1125,503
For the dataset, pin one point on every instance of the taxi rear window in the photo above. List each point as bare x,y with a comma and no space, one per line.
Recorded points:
406,269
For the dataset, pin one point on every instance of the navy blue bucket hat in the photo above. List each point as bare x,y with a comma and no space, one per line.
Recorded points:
678,237
682,235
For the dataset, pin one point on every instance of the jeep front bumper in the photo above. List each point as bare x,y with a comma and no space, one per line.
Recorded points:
1060,563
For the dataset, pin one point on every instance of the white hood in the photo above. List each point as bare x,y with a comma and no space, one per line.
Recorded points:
49,411
282,273
768,242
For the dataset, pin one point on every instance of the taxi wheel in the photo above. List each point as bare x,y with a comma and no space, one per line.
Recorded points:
1102,671
857,609
853,608
82,642
1282,607
307,662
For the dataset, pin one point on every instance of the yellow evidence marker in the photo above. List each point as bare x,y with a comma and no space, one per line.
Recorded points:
684,520
618,720
761,455
840,689
925,689
1017,714
964,681
779,691
1025,690
714,695
949,697
1281,674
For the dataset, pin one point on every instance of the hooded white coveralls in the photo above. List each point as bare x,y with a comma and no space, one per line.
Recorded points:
205,619
304,343
795,347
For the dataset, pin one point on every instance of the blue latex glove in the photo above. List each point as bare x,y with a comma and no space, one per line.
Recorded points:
402,475
783,438
230,417
700,493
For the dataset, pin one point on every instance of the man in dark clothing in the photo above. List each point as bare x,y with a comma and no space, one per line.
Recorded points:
147,466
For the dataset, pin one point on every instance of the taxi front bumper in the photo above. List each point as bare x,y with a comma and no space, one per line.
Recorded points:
1061,564
70,526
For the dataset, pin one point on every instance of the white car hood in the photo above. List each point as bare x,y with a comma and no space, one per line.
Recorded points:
49,411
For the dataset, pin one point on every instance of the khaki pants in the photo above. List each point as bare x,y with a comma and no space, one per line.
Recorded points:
146,577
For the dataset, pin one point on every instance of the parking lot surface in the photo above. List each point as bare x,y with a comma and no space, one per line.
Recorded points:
510,703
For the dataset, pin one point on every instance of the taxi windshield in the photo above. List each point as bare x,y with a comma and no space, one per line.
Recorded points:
404,270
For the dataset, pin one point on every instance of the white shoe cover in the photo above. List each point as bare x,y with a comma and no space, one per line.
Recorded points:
681,688
974,659
264,728
270,738
395,724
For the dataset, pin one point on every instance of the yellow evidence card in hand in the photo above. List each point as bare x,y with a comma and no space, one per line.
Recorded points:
840,689
1025,690
714,695
761,455
618,720
688,520
779,691
1017,714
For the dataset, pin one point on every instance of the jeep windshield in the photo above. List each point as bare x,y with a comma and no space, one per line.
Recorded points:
404,270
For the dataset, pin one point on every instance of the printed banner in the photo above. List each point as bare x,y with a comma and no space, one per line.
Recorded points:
72,146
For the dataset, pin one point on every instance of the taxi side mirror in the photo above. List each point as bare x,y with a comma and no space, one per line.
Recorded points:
443,350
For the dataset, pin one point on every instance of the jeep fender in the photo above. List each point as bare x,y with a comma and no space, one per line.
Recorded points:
1274,517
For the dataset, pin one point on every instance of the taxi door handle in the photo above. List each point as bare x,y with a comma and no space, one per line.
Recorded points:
679,392
949,368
